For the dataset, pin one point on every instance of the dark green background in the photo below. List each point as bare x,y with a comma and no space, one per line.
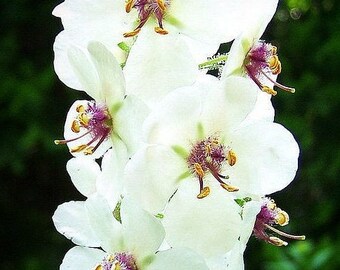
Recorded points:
34,104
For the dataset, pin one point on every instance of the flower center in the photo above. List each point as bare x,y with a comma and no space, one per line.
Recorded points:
96,121
209,155
118,261
271,215
145,9
262,62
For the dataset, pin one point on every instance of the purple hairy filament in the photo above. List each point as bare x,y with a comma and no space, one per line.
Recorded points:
208,156
146,9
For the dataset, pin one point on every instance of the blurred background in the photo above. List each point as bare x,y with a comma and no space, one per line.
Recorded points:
34,105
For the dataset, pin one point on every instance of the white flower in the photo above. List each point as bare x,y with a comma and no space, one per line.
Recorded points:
111,118
196,28
199,148
128,241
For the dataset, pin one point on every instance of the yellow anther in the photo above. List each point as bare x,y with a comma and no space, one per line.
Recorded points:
268,90
204,193
208,149
199,170
229,188
271,205
88,151
277,241
161,31
161,4
129,5
99,267
282,218
83,119
78,148
275,64
75,126
117,266
80,108
132,33
57,142
274,50
231,158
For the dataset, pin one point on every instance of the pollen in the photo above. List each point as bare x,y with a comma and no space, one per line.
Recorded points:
209,156
146,9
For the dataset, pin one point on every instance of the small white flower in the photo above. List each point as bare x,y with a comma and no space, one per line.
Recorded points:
128,241
111,118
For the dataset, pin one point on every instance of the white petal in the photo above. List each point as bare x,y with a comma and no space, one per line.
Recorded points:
176,120
157,65
82,258
112,83
71,220
103,223
267,158
80,39
83,172
179,259
143,233
152,176
129,120
85,72
110,181
195,223
227,104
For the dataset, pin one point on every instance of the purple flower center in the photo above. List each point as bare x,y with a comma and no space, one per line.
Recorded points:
96,121
268,216
146,9
261,63
209,155
118,261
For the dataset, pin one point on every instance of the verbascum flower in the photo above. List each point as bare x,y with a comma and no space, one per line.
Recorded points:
129,240
112,118
172,37
201,157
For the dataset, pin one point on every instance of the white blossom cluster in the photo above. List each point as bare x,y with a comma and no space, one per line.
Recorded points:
174,163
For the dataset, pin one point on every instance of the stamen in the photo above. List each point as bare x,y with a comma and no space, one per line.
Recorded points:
231,157
199,170
161,31
80,108
224,185
204,192
78,148
290,236
268,90
229,188
129,5
75,126
285,88
282,218
223,176
71,140
161,5
274,64
277,241
132,33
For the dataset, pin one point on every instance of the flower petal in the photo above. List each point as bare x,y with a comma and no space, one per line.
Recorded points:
129,120
83,172
194,223
103,223
153,175
179,259
71,220
267,158
112,82
153,71
143,233
82,258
